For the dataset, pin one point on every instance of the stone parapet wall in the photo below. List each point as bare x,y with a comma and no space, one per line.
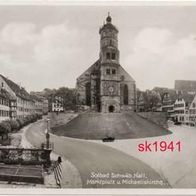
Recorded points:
159,118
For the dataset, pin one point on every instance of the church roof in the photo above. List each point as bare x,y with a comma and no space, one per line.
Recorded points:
126,74
94,66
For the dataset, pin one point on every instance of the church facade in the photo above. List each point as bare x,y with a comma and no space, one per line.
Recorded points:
105,86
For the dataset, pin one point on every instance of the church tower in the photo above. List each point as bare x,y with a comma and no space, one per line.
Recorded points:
109,68
105,86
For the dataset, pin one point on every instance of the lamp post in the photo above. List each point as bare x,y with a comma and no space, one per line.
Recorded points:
48,134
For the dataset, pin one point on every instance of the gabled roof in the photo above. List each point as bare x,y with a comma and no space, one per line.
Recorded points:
20,92
6,95
96,67
172,93
188,98
35,98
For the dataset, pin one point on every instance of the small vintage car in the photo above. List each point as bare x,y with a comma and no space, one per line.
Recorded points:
108,139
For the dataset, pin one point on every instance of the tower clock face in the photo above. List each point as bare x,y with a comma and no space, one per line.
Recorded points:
110,88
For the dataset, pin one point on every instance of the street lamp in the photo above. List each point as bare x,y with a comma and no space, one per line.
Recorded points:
48,134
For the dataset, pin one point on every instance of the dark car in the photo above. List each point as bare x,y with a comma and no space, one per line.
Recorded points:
108,139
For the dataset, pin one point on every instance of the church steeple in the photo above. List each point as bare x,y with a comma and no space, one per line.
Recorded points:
109,52
106,87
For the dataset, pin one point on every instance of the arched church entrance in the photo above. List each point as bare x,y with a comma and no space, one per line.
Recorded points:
111,108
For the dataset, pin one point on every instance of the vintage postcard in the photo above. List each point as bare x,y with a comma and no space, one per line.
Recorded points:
98,98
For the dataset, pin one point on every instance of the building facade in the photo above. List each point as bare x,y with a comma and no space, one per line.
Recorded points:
20,102
167,104
192,113
4,106
40,102
106,86
57,104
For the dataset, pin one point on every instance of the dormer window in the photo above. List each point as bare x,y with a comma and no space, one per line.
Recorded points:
113,56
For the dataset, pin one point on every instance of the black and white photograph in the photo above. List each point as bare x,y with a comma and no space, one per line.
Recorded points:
98,96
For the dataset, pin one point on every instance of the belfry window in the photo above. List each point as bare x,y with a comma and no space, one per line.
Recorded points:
113,56
108,71
108,55
113,71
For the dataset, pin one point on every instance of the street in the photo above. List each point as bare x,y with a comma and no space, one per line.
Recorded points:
178,167
90,157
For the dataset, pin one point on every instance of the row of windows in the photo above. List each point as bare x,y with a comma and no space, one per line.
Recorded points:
192,111
21,109
57,109
179,112
57,105
25,102
110,55
109,34
20,116
110,71
109,43
193,118
4,113
4,102
181,118
179,105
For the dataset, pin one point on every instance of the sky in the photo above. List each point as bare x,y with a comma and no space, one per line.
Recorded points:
50,46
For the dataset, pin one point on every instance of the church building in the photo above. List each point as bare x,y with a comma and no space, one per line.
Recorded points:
105,86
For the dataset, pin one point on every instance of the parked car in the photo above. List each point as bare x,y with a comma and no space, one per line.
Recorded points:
108,139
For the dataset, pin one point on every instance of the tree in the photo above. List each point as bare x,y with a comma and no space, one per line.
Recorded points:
68,95
153,99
